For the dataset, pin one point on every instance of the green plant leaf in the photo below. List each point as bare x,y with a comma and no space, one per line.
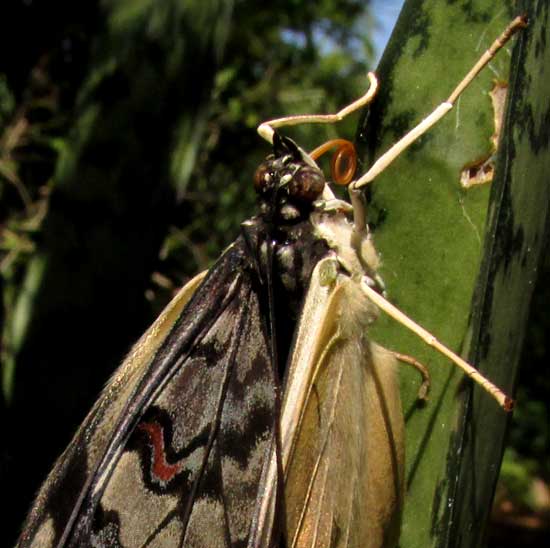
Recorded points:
461,262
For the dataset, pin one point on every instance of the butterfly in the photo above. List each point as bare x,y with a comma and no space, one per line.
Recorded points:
185,430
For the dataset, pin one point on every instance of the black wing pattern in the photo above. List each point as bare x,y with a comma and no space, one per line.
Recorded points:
179,449
181,461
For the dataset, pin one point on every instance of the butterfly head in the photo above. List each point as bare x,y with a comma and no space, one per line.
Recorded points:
288,181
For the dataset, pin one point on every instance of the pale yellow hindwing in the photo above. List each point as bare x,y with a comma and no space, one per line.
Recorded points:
342,423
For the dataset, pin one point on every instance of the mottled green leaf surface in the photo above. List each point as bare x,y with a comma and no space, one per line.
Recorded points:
463,275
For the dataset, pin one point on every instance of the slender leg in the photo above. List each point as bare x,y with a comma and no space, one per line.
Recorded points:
390,155
504,401
266,129
421,368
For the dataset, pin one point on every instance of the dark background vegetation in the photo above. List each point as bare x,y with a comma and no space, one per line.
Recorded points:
127,145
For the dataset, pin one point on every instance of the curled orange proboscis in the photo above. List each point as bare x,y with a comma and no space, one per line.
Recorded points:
343,162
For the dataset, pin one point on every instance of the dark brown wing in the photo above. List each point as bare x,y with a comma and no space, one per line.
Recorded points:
173,452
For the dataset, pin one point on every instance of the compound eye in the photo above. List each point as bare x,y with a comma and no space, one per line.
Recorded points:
307,184
262,177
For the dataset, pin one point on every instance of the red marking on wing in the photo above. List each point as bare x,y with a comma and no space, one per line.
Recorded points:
162,469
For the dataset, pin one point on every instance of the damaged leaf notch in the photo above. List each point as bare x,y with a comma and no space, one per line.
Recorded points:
482,170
